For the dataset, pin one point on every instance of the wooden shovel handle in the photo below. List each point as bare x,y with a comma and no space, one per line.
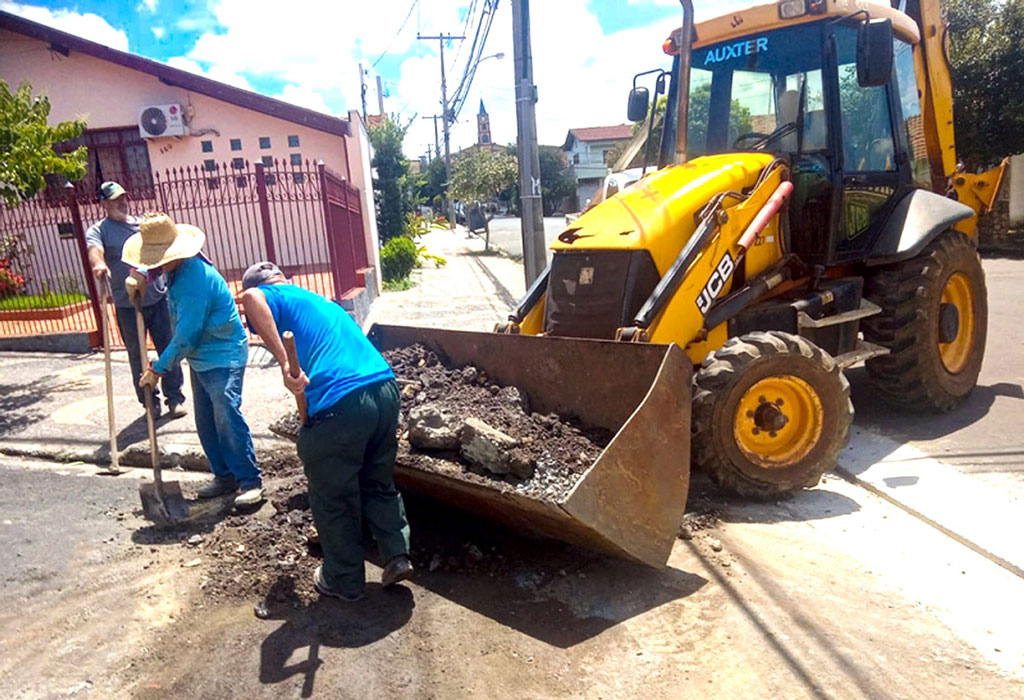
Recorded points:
154,450
288,338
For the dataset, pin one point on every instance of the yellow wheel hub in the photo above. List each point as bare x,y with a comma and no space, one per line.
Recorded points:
959,294
778,421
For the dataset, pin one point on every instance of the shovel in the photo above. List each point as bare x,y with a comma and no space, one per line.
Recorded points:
162,501
114,468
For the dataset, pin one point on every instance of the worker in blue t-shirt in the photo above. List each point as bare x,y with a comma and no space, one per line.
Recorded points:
349,443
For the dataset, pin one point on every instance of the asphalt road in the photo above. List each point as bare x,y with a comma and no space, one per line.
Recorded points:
506,233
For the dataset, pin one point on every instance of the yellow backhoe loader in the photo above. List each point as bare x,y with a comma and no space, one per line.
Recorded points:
805,215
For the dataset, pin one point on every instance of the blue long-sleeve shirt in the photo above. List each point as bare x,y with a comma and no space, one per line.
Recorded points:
208,331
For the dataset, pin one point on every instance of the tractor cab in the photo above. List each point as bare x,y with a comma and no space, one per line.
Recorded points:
835,97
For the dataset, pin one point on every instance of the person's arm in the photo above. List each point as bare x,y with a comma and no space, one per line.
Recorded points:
261,319
192,307
94,241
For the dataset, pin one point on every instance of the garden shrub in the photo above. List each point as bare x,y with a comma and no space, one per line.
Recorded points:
397,258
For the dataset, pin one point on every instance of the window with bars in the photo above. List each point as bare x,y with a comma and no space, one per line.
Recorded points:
120,155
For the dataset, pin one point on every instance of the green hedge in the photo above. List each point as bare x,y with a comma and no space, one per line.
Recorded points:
397,258
40,301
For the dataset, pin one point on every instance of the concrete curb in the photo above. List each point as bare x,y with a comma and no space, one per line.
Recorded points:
172,456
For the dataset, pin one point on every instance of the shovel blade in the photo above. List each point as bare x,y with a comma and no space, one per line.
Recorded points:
163,503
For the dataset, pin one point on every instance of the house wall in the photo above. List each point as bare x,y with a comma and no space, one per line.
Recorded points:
361,153
108,95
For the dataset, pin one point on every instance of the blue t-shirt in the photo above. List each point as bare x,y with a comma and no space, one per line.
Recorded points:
333,352
208,331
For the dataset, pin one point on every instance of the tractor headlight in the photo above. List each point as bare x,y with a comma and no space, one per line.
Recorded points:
788,9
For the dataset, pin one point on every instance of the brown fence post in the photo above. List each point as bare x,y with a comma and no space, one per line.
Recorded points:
332,250
90,281
261,193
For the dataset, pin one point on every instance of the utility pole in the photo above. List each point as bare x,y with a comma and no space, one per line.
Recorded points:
531,210
444,116
437,142
362,89
380,97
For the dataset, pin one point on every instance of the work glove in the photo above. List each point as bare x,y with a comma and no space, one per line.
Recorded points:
135,285
149,378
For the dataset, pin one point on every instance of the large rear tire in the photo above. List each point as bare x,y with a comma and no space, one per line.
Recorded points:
934,322
771,411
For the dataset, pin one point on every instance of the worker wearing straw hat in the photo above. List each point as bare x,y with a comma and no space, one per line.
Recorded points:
208,333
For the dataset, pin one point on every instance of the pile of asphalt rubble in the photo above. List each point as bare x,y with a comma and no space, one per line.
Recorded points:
457,422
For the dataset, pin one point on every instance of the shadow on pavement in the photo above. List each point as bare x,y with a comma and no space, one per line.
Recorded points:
327,622
799,506
551,591
874,414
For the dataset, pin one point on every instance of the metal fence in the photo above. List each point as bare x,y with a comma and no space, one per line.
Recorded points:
303,217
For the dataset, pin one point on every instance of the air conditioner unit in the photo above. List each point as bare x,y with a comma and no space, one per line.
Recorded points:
158,121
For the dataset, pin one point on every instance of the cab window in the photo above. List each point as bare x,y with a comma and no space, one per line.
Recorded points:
864,114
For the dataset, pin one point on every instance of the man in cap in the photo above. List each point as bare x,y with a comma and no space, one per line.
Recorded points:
105,239
208,333
348,445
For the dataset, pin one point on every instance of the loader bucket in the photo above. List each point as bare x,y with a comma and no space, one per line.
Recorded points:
631,500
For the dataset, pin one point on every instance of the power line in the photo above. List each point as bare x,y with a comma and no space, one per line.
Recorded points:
397,34
462,91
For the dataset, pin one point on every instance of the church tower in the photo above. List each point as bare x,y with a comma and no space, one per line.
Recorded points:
483,127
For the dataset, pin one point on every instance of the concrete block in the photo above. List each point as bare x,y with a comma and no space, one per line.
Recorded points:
430,428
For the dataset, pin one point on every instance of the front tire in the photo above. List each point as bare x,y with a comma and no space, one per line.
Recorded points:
771,411
934,322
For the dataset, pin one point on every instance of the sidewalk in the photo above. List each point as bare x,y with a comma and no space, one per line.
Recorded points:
53,406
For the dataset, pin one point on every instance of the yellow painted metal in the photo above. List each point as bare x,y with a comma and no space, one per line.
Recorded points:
764,17
937,90
533,322
979,192
958,292
793,399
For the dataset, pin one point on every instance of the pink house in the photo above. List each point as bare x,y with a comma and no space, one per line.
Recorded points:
144,117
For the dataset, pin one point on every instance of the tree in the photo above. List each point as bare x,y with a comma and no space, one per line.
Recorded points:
26,142
556,180
482,175
431,184
987,58
392,186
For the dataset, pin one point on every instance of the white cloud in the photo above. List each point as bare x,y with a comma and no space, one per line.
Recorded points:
150,5
87,25
219,73
158,32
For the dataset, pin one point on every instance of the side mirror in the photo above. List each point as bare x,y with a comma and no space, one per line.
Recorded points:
874,53
639,99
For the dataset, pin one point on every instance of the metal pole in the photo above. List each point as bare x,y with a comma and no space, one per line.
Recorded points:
444,116
437,139
362,89
531,214
683,104
380,96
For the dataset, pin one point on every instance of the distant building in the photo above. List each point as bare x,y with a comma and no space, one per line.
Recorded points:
587,150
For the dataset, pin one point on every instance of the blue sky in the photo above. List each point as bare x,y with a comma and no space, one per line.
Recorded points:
308,51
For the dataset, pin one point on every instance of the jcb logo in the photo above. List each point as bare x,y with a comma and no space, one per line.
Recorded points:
715,283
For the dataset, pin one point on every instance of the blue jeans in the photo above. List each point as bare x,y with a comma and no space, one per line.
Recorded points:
223,432
157,320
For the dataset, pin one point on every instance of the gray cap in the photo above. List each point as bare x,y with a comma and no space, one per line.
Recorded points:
259,273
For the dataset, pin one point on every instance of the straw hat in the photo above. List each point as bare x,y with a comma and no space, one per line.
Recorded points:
160,240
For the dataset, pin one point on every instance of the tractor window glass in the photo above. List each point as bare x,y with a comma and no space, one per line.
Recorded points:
910,101
864,113
763,92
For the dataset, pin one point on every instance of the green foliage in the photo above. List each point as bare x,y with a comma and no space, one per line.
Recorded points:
423,256
38,301
987,56
556,180
697,130
26,142
482,175
392,188
431,184
401,285
397,258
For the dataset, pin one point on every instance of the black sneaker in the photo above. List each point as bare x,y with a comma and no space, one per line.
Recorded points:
217,487
398,569
176,410
323,589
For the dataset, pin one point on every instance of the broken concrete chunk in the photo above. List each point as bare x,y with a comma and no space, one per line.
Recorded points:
515,397
469,373
485,446
520,464
430,428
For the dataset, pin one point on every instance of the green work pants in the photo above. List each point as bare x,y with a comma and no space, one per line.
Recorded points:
349,459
